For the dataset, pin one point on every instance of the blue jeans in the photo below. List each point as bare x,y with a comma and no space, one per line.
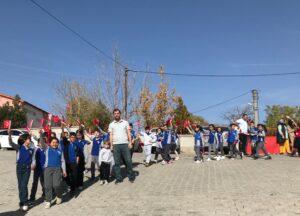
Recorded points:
23,175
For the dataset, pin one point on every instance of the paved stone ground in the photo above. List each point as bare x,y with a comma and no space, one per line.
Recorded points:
239,187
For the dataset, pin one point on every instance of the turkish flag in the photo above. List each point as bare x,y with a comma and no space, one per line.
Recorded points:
56,119
42,120
29,125
186,123
96,121
7,124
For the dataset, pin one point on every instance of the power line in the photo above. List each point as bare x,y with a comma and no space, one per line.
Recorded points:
223,102
76,33
216,75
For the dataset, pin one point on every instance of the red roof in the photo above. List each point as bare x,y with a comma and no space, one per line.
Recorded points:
29,104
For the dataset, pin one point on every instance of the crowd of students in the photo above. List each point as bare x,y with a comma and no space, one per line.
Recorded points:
58,161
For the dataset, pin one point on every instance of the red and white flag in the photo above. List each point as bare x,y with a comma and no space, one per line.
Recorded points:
29,125
56,119
96,122
7,124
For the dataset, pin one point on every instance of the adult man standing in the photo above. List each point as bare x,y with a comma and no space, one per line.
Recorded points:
120,140
243,135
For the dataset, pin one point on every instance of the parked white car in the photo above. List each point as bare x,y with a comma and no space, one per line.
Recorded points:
4,143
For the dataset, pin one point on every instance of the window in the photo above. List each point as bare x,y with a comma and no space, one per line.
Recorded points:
3,133
15,133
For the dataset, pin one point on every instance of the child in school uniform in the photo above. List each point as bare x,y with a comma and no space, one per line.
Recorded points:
80,142
149,139
38,174
96,148
212,141
198,140
166,143
55,169
220,144
233,141
25,155
106,161
158,150
253,137
261,135
71,156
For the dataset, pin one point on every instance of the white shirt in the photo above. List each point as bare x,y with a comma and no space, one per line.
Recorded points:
118,130
243,126
106,156
148,139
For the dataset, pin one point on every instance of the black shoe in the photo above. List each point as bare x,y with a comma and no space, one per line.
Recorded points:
268,157
131,180
255,157
118,182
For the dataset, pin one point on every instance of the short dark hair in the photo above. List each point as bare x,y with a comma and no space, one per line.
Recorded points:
117,110
23,138
211,125
244,114
72,134
147,128
130,124
54,138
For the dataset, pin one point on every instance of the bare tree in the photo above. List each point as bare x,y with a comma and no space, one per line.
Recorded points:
236,112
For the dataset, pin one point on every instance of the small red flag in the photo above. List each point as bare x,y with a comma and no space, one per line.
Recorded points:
7,124
96,121
29,125
56,119
186,123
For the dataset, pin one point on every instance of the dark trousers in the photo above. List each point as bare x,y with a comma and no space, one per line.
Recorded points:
53,180
23,175
37,175
158,151
260,146
71,178
80,171
243,143
104,171
233,150
121,151
166,153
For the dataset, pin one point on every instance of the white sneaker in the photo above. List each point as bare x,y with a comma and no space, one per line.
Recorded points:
25,207
155,161
177,158
218,158
208,159
47,205
102,182
222,157
197,162
105,182
163,162
58,201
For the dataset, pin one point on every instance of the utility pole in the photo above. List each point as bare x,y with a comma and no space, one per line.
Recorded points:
126,93
255,106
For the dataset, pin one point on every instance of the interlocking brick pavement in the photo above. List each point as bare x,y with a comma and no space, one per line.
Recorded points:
229,187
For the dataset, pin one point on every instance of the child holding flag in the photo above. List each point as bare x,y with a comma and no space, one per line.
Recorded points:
25,155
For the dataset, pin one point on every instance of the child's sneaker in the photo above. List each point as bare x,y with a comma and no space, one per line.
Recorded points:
197,161
163,162
208,159
147,164
155,161
102,182
58,201
218,158
176,158
222,157
47,205
25,207
80,188
105,182
267,157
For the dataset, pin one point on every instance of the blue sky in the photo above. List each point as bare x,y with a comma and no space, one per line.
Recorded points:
191,36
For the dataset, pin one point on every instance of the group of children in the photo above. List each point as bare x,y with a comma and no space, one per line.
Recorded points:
216,139
58,161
